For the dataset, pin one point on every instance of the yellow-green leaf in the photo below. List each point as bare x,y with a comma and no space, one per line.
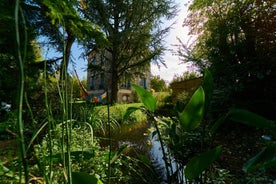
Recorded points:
193,112
146,97
84,178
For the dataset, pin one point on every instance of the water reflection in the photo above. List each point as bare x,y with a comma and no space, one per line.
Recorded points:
139,141
156,157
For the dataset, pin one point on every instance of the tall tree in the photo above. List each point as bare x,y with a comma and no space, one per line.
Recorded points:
133,29
158,84
185,76
237,40
61,22
9,71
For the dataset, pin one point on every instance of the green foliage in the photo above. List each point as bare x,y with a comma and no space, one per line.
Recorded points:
185,76
7,174
265,159
189,130
134,33
61,29
182,100
208,86
117,114
81,28
129,111
193,113
146,97
234,43
67,148
7,124
118,153
88,159
189,119
162,99
149,103
158,84
84,178
183,97
8,81
251,119
199,163
29,52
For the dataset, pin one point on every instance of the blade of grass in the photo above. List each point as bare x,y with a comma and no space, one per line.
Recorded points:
36,135
49,120
20,93
109,138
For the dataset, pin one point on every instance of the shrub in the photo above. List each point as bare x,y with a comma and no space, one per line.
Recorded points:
161,98
117,112
86,156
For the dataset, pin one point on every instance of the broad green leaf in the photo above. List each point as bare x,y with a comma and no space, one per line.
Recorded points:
84,178
193,113
217,124
264,159
199,163
129,111
208,86
250,118
146,97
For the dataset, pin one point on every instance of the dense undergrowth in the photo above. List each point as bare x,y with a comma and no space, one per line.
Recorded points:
202,150
48,153
53,140
220,149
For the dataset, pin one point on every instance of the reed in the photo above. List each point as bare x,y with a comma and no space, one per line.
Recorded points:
20,62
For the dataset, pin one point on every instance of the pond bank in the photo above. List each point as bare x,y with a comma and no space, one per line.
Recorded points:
139,142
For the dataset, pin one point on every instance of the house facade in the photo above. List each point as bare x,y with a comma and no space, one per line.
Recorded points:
99,79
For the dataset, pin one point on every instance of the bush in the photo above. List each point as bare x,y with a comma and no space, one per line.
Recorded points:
117,111
162,98
86,156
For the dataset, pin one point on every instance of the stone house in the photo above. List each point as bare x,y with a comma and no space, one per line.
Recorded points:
98,78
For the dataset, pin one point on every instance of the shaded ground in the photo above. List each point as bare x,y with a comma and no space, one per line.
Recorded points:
8,149
240,143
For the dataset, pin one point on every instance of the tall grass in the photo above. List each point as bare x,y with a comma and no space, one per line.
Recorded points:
66,112
20,61
61,140
109,138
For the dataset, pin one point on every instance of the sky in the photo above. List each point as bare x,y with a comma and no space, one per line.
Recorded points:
174,66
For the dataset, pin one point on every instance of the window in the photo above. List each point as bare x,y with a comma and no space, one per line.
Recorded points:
93,60
143,83
92,85
128,84
101,81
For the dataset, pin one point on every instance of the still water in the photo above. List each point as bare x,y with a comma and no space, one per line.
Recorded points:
139,140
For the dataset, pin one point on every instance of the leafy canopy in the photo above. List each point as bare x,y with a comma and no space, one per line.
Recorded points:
236,41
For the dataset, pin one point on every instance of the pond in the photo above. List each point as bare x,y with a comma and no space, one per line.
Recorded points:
140,141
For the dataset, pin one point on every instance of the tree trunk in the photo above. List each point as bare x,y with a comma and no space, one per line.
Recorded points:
115,51
65,62
114,87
